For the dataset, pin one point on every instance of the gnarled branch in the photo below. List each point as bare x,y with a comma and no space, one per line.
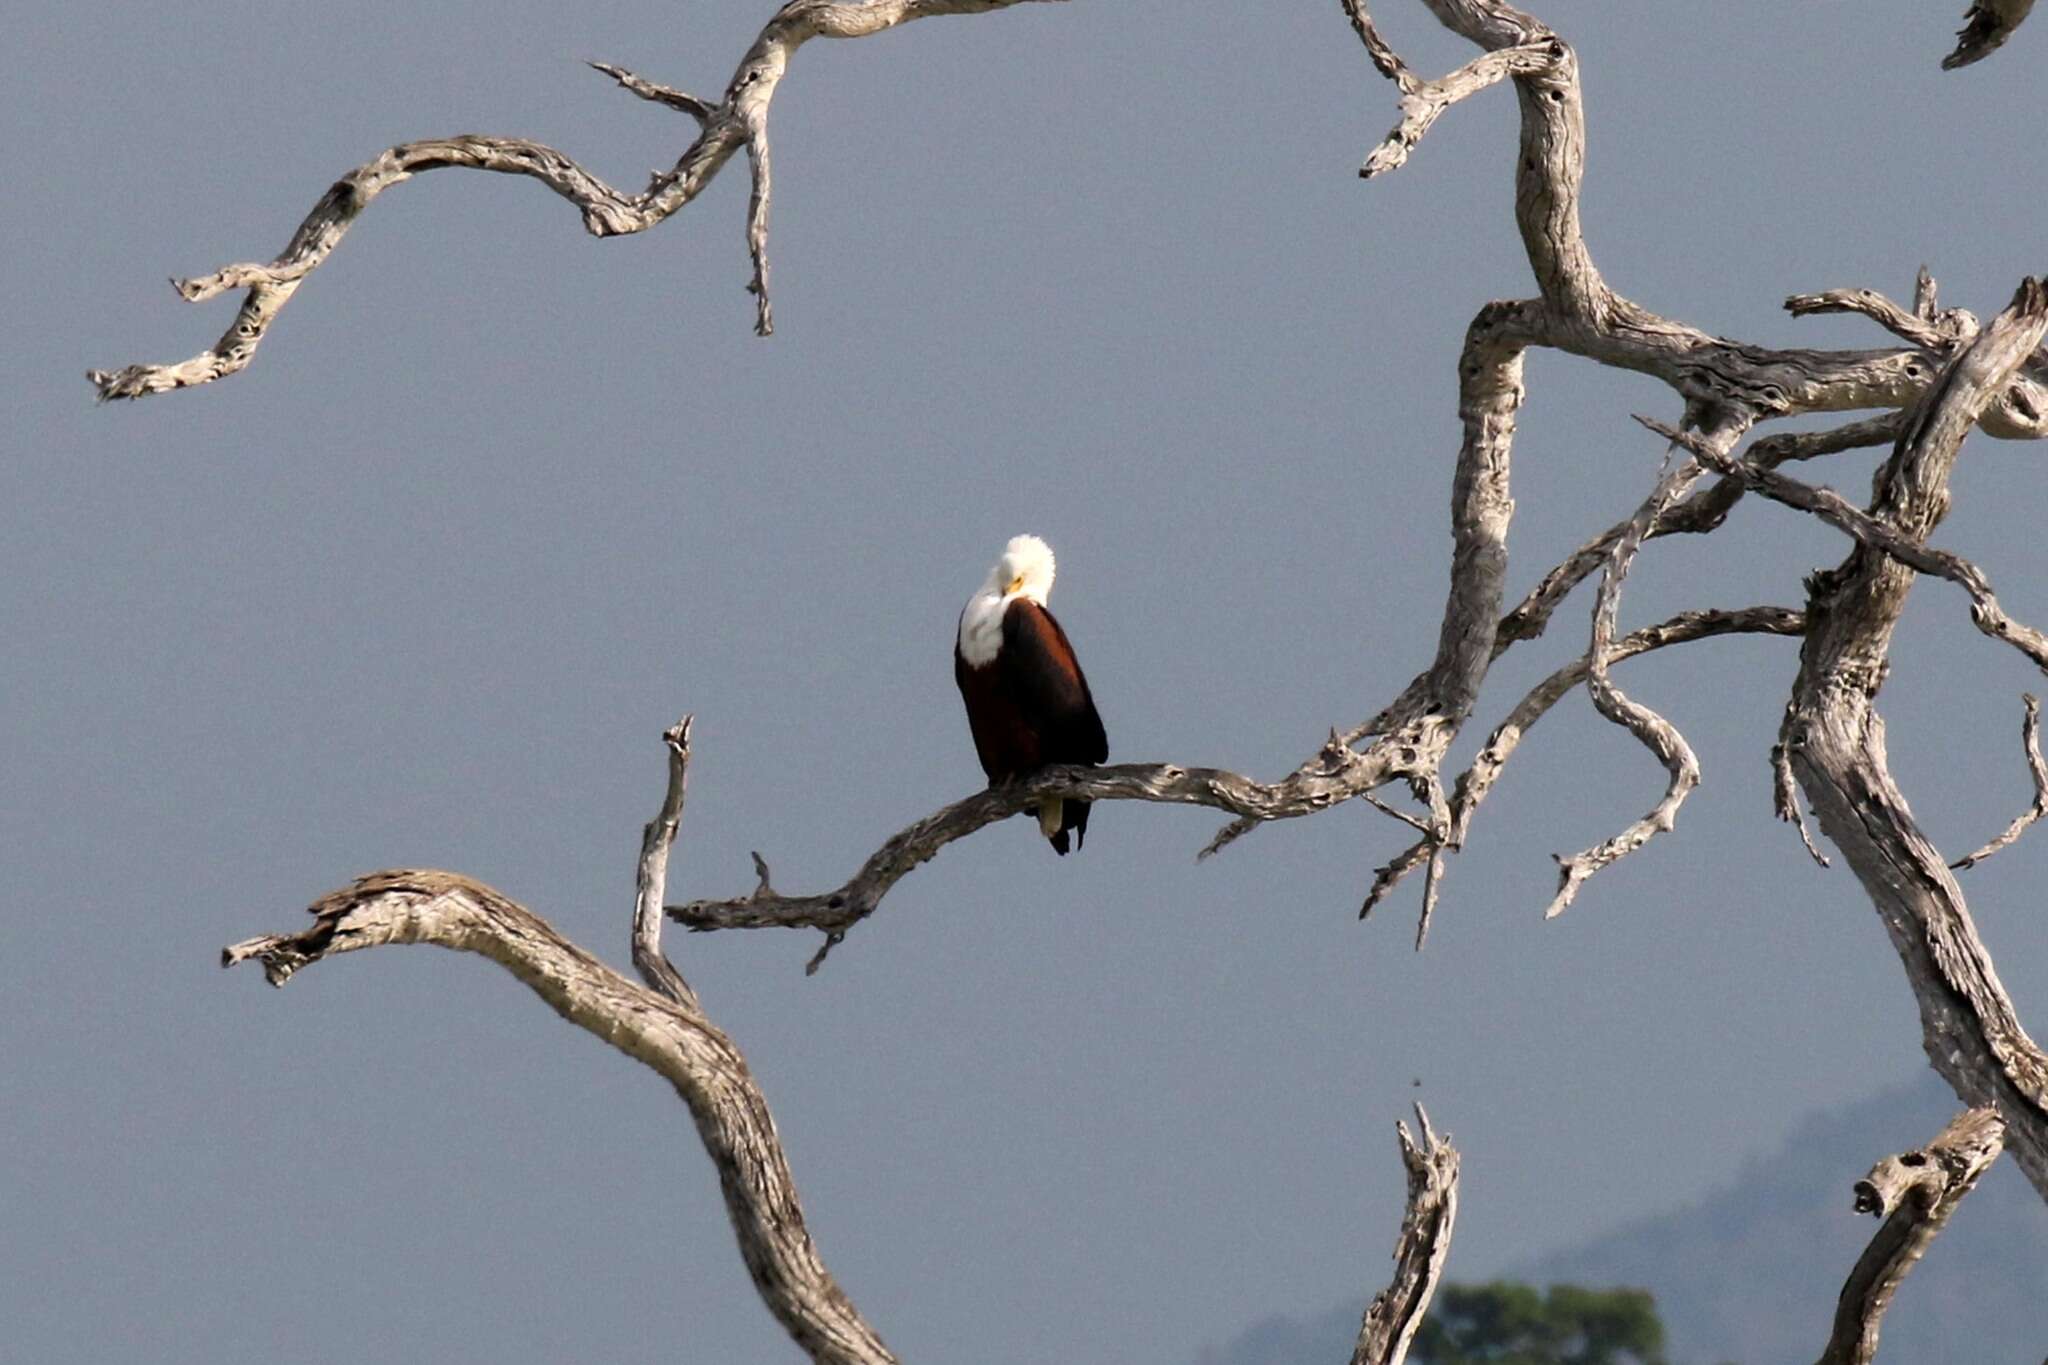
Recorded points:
1395,1313
1914,1193
1835,741
1655,733
664,1027
739,120
2030,736
1347,775
1837,511
1477,781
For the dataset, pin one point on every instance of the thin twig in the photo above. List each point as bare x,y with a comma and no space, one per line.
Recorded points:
1831,507
681,101
1654,732
2030,736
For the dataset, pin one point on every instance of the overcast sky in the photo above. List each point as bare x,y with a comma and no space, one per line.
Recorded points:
498,502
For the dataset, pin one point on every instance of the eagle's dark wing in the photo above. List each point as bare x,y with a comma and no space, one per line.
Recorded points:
1041,674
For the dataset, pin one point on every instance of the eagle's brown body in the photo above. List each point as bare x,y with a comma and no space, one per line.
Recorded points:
1029,706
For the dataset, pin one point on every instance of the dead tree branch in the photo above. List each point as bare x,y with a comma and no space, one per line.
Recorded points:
1395,1313
1577,312
1836,745
1477,781
663,1027
1986,26
1348,774
739,120
1652,730
651,885
1839,512
2030,736
1914,1193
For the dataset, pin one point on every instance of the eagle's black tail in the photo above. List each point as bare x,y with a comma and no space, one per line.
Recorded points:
1075,819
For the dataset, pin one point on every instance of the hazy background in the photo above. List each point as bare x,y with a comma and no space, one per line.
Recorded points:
497,502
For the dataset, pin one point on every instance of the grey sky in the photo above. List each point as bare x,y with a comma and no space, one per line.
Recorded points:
498,502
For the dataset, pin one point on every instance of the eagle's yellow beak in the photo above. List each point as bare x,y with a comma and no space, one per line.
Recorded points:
1016,585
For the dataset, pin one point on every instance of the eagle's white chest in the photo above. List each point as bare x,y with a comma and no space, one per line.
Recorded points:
981,628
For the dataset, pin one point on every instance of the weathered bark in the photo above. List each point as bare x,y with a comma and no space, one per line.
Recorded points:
1914,1193
661,1025
664,1026
1396,1312
1945,377
1301,794
739,120
1835,742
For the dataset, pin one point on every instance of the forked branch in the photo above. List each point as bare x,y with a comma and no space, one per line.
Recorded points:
663,1027
1395,1313
1834,739
1837,511
1654,732
1477,781
1345,775
1914,1193
738,120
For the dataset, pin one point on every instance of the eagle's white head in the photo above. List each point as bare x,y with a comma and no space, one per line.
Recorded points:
1025,570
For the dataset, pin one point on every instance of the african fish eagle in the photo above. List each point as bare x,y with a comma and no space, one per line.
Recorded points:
1027,700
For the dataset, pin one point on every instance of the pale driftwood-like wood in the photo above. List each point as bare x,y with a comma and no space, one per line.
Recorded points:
1986,26
1944,376
838,910
1836,746
2030,737
661,1025
1839,512
1914,1193
1477,781
1652,730
651,884
1395,1313
737,121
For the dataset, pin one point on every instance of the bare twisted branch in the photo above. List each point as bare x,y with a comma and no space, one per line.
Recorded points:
1835,740
1477,781
663,1026
738,120
1652,730
2030,736
1914,1193
1345,775
1837,511
1420,1251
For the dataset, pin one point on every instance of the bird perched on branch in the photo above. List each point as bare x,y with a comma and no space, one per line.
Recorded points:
1027,699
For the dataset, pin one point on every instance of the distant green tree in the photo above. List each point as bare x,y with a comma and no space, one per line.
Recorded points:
1505,1323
